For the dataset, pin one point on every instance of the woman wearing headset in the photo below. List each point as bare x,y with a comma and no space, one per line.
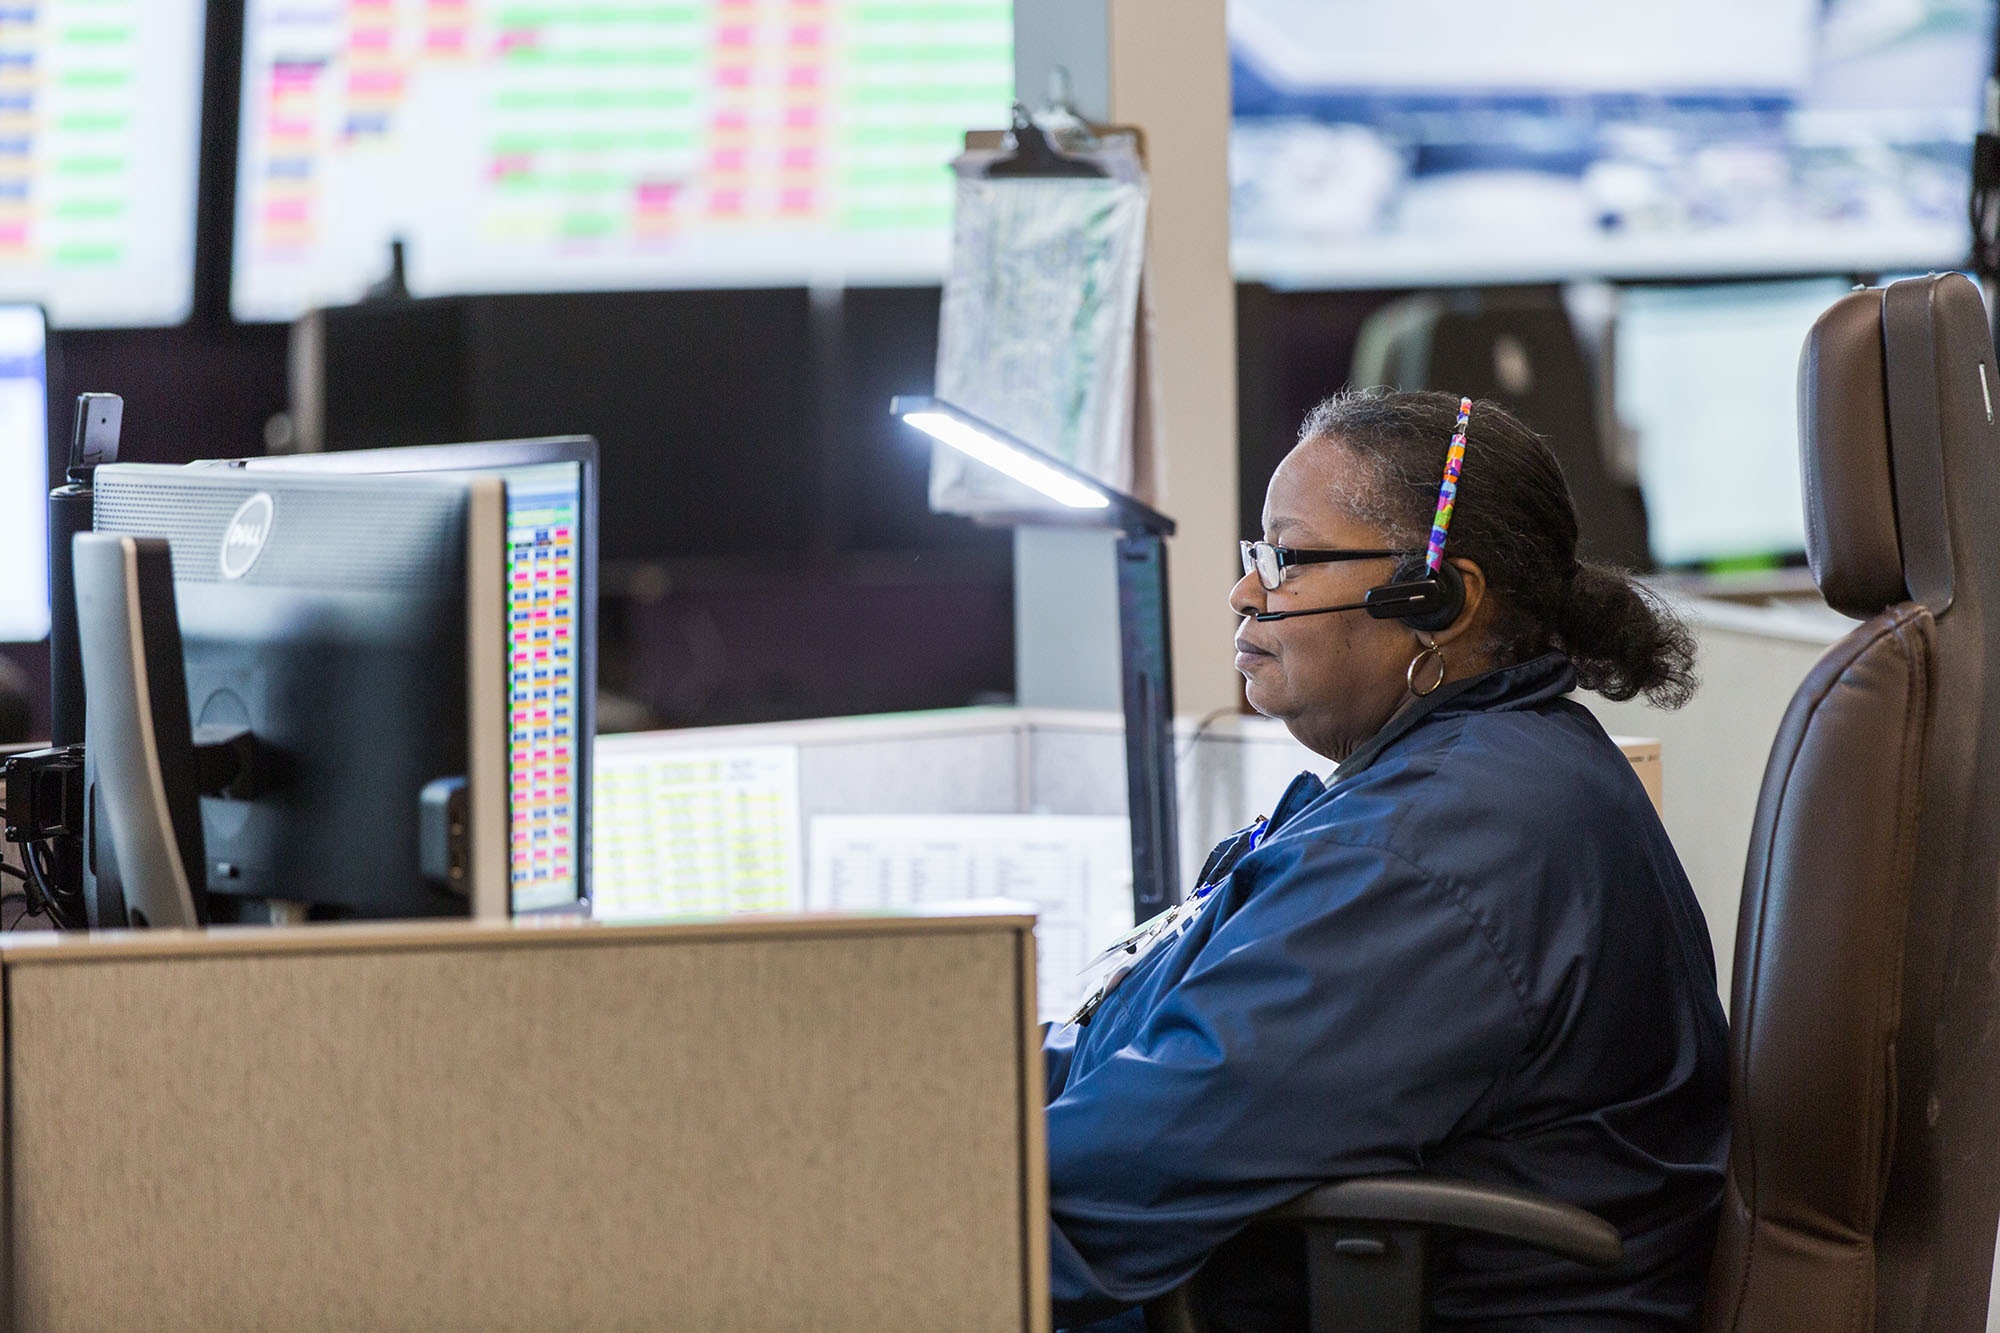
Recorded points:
1472,951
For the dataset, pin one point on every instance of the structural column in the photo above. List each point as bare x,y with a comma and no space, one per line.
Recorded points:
1162,65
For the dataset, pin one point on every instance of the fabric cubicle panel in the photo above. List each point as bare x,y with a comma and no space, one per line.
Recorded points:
764,1124
1045,761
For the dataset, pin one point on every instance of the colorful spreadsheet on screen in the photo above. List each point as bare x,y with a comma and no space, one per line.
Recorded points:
543,558
524,145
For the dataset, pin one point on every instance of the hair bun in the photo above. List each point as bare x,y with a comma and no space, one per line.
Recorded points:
1623,639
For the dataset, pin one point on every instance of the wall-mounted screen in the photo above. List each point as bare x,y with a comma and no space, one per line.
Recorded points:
100,124
615,144
1458,141
1706,380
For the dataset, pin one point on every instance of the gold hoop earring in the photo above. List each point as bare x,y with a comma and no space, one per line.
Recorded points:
1431,651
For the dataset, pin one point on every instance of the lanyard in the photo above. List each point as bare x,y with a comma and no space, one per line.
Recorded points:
1142,939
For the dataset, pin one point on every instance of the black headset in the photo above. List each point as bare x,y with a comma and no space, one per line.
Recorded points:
1427,601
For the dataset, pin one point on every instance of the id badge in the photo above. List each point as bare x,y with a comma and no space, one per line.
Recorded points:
1132,948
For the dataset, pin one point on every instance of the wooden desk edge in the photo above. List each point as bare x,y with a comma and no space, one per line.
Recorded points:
347,937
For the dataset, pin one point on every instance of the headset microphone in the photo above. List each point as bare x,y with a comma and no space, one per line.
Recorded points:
1428,603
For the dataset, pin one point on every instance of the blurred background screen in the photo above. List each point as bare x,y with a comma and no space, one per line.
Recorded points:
1456,141
24,447
100,107
1704,379
518,147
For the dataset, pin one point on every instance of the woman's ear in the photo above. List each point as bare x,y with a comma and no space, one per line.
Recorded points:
1474,579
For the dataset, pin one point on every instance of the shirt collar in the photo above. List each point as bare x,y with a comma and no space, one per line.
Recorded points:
1520,685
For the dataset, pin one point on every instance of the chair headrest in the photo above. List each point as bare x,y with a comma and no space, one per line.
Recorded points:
1850,497
1894,394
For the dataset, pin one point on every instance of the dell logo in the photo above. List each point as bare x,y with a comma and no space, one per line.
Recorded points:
243,540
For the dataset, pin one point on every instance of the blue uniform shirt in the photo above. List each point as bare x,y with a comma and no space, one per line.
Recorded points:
1474,953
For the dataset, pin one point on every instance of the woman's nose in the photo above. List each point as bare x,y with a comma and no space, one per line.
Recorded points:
1247,597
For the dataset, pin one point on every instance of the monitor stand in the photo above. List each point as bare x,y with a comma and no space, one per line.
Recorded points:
144,788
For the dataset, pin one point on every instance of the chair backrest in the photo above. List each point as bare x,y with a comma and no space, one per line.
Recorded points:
1864,1176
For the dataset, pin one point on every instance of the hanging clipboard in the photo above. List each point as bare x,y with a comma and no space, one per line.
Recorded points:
1045,327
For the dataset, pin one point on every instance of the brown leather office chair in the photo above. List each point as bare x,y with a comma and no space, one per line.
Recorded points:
1864,1178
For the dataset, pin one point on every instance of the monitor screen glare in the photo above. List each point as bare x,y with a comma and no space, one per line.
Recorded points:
1458,141
100,120
571,147
24,476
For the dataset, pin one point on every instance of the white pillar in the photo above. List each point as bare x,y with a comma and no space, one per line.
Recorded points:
1162,65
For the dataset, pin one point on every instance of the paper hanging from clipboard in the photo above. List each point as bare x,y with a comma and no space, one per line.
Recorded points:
1045,327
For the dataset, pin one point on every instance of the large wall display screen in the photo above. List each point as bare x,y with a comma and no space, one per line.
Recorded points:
1460,141
570,145
100,125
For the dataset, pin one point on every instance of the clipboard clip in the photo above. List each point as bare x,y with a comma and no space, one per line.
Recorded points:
1035,157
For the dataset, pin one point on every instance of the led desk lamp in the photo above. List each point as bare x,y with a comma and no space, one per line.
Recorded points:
1142,628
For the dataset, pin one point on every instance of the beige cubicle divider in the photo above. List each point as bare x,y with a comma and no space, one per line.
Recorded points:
755,1124
658,824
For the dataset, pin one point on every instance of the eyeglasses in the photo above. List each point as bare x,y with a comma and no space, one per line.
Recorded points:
1268,562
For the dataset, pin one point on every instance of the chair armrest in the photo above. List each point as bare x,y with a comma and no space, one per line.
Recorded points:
1494,1210
1390,1285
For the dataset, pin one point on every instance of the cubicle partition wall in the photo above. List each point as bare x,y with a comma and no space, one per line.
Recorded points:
899,810
962,761
757,1124
674,795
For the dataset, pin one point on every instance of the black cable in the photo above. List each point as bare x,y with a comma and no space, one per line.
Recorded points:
6,869
51,900
70,899
1201,729
39,900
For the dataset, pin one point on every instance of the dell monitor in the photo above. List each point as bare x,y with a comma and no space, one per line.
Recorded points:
355,628
551,629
